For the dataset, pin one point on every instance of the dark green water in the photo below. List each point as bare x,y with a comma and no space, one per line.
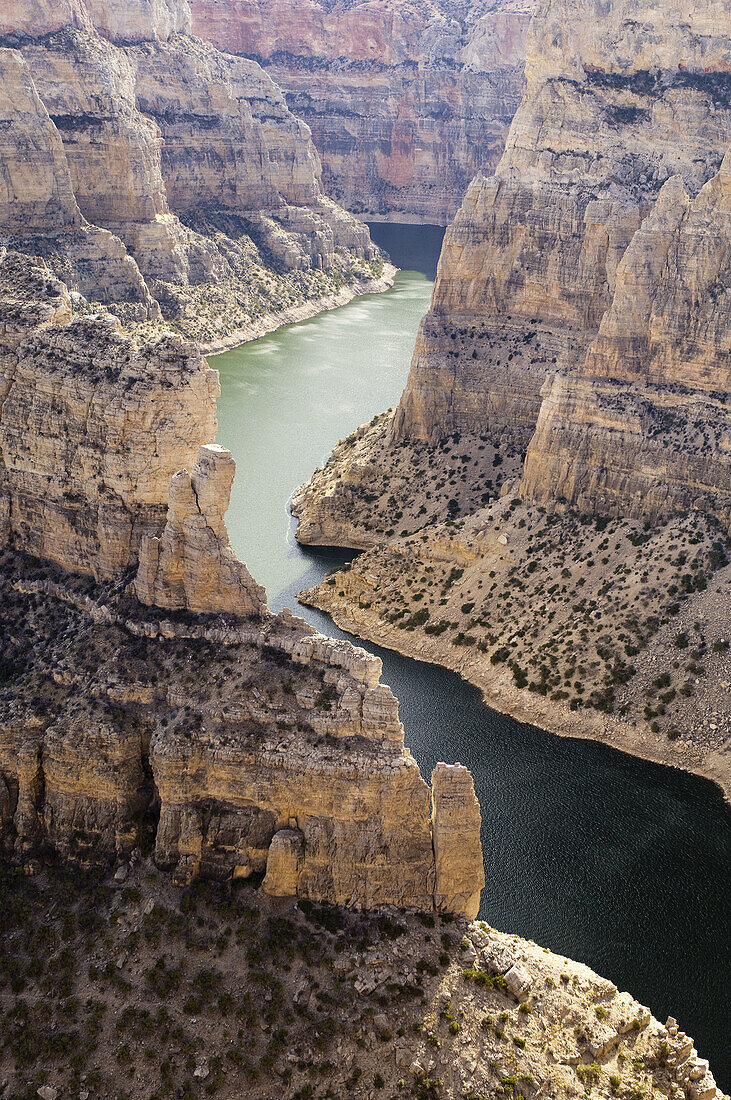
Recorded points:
613,861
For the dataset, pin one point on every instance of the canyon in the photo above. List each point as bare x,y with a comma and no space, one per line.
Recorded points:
407,102
117,574
183,771
569,385
164,179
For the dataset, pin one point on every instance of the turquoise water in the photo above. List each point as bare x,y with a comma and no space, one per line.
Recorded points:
607,859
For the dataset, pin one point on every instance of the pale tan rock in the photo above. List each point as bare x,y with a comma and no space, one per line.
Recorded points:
285,859
643,428
456,819
127,21
33,18
124,121
39,211
613,108
79,403
392,146
191,565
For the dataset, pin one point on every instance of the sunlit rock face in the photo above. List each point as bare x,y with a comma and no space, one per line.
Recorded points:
162,694
79,403
143,163
644,427
406,102
617,103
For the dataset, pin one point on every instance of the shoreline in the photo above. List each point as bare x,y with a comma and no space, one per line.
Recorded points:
292,315
505,699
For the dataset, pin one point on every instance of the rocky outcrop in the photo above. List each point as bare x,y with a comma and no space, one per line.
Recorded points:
39,211
164,174
252,747
415,1002
192,564
80,402
456,830
177,703
406,102
614,107
580,314
644,428
532,273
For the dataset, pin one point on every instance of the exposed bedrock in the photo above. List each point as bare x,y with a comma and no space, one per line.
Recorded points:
147,691
598,250
614,107
406,102
148,168
238,747
80,402
39,210
644,428
192,564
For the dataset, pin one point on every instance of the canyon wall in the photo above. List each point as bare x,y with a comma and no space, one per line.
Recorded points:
147,691
154,172
615,106
406,102
575,362
643,428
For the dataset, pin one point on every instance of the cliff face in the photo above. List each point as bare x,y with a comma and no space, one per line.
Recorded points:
177,703
575,360
406,102
119,120
644,428
79,402
614,107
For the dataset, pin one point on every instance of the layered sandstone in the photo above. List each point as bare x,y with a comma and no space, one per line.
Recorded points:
532,267
256,746
192,564
644,428
177,702
613,108
406,102
80,402
39,210
581,314
164,174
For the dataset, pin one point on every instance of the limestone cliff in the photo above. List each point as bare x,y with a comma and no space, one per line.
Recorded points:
177,702
615,105
80,404
192,564
163,173
406,101
575,361
644,428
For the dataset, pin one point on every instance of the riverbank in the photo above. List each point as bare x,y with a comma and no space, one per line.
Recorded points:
605,630
499,694
270,322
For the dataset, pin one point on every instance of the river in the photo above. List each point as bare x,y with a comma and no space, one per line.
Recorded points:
611,860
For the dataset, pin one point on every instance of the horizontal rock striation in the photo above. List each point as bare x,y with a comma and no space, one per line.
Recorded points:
577,344
152,170
598,249
80,402
192,564
614,107
39,211
406,102
256,747
644,428
176,707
